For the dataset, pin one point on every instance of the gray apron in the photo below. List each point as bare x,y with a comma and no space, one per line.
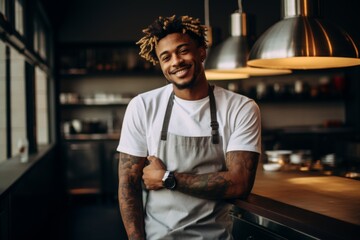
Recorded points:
174,215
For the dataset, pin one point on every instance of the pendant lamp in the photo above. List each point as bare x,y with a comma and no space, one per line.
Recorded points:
217,75
303,41
231,55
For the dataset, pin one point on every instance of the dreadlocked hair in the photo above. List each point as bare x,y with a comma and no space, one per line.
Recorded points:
166,25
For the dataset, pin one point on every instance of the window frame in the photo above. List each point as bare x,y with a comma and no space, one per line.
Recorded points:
23,43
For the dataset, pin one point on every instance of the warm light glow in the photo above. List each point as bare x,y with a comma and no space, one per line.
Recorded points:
218,75
302,63
352,43
308,42
306,13
338,186
326,35
256,72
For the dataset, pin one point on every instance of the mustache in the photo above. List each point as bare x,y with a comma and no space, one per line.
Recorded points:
180,66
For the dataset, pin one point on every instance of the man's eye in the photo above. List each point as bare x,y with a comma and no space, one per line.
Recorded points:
184,50
165,58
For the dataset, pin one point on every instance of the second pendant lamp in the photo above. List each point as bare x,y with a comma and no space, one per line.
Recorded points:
231,55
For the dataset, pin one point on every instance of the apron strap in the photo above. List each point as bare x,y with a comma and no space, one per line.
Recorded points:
215,138
167,117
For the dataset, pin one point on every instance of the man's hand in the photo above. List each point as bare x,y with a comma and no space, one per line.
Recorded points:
153,173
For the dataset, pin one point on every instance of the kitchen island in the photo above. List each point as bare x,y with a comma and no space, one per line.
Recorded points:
314,205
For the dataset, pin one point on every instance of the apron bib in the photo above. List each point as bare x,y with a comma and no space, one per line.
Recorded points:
174,215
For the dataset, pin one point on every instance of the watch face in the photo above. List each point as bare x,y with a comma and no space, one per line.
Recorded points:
170,182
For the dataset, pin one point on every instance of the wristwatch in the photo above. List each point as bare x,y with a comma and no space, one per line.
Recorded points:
169,180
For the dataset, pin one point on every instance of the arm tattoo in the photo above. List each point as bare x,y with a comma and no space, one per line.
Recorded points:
245,164
209,186
130,195
236,181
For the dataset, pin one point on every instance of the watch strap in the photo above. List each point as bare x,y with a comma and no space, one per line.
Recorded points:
169,180
166,175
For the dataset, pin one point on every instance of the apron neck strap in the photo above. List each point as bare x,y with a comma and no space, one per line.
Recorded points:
167,116
213,124
215,138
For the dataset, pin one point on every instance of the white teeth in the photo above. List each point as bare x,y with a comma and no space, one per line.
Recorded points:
181,72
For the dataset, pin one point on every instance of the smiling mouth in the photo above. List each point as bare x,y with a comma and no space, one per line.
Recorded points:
182,71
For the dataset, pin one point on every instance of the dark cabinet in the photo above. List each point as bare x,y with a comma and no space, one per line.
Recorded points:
244,230
83,167
91,167
250,226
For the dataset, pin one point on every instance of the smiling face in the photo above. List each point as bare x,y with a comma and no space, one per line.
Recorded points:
181,60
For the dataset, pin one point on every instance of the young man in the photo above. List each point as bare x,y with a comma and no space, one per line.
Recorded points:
190,145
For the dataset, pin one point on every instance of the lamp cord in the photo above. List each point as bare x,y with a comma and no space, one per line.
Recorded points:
207,18
240,6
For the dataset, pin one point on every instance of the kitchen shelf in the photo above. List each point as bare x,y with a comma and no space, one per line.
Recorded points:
76,105
102,58
76,73
97,81
301,100
308,130
296,100
92,136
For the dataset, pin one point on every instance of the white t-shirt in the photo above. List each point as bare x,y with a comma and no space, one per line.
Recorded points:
238,117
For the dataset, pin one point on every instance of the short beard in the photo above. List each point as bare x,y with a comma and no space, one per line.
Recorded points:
185,85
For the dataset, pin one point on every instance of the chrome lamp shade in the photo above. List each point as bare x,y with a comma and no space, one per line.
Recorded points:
231,55
302,41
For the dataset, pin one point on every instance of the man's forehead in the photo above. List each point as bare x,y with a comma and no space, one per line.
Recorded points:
175,38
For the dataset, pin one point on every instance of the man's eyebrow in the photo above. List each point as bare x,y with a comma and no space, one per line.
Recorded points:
163,53
180,46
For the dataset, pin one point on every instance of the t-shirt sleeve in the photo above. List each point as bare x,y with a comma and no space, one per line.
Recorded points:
133,133
247,133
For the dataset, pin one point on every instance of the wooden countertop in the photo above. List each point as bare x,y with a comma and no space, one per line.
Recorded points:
327,207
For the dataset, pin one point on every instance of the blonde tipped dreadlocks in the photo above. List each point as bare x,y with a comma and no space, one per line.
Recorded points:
166,25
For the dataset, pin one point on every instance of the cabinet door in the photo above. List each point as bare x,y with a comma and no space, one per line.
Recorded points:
251,226
244,230
83,167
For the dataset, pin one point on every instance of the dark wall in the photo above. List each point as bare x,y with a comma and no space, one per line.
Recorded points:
114,20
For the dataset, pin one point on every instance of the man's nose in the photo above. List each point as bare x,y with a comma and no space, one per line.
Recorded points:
177,60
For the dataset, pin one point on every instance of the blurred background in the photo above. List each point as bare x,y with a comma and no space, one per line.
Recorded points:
68,70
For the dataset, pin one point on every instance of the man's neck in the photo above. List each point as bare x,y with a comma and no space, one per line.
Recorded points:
196,92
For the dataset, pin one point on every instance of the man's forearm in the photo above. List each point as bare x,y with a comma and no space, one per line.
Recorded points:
209,186
131,209
235,182
130,196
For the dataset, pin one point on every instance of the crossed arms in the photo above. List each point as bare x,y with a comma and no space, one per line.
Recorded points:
235,182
